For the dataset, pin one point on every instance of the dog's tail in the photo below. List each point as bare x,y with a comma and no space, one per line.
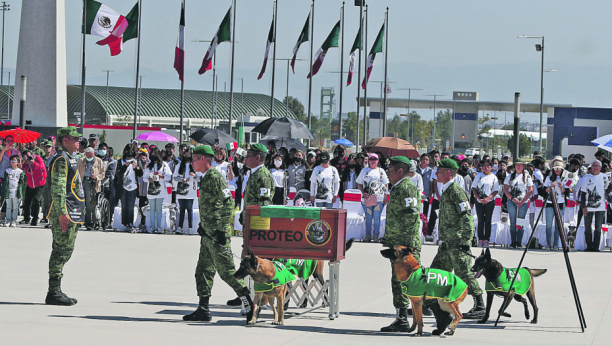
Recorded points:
537,272
349,243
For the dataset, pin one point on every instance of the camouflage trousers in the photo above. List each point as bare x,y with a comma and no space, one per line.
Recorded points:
216,259
400,300
451,259
62,247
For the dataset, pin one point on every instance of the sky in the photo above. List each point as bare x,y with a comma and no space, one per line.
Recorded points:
440,46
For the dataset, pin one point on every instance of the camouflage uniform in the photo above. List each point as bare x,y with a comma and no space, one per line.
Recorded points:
402,228
38,151
456,228
259,190
215,197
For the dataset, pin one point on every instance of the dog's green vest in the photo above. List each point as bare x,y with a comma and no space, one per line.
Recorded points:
288,271
521,284
434,283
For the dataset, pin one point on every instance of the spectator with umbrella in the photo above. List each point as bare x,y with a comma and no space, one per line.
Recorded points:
296,172
173,162
373,182
9,150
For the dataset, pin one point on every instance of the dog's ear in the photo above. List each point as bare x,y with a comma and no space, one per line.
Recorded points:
388,253
482,252
488,254
249,251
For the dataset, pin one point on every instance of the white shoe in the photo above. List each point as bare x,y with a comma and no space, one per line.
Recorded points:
190,232
3,224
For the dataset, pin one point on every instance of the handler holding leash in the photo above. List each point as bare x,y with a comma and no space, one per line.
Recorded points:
215,248
402,228
456,230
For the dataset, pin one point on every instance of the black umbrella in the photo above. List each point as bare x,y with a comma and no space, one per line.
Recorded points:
210,137
283,127
284,142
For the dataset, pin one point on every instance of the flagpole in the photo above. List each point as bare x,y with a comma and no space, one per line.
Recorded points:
386,57
231,108
82,71
182,91
365,90
137,70
274,59
341,72
359,73
310,79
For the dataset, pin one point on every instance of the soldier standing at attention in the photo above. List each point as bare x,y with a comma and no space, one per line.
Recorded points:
456,230
402,228
67,210
259,189
215,248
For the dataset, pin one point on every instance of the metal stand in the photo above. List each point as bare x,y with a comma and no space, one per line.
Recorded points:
314,293
334,289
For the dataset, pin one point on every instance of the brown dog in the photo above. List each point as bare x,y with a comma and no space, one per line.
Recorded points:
421,284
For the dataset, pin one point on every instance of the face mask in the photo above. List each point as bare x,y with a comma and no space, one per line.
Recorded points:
102,152
297,160
494,167
277,163
89,159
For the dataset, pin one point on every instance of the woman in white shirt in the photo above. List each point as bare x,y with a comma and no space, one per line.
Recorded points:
324,183
373,181
220,163
485,187
518,187
554,183
279,176
125,179
186,192
159,175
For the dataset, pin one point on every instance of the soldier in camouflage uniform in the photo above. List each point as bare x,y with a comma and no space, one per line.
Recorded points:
36,150
215,248
402,228
259,189
66,212
456,230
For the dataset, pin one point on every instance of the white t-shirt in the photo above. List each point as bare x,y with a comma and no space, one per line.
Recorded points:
418,181
129,179
278,175
374,181
164,182
13,177
538,180
485,185
558,190
595,187
194,183
223,168
518,186
324,184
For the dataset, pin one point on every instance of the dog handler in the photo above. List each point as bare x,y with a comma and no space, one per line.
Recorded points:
67,211
215,249
402,228
456,230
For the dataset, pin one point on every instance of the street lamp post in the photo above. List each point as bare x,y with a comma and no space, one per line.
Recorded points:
433,136
4,7
540,48
107,79
494,127
408,113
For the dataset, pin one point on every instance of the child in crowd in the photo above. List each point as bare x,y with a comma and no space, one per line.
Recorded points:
14,188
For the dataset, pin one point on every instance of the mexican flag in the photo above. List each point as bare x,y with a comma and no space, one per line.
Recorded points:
224,34
356,46
303,38
101,20
271,40
331,41
132,19
179,52
376,48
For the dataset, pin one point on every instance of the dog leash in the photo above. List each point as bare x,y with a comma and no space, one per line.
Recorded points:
214,241
458,247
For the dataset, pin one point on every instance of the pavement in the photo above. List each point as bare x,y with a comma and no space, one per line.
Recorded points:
133,289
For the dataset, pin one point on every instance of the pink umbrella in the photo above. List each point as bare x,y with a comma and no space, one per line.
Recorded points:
157,136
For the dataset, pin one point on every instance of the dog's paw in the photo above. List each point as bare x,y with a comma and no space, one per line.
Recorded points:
527,316
279,323
450,332
534,321
251,323
417,334
483,321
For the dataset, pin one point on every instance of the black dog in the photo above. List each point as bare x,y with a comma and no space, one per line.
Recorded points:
498,283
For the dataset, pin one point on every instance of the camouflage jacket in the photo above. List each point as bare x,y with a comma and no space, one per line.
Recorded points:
259,189
456,223
403,215
215,202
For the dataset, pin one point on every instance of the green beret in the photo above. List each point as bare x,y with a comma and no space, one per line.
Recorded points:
259,148
204,150
68,131
400,159
448,163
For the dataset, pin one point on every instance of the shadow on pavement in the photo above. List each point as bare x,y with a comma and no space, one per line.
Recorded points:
165,320
20,303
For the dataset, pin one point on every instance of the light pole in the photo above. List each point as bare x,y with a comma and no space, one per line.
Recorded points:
540,48
107,79
140,97
433,135
408,113
494,126
5,7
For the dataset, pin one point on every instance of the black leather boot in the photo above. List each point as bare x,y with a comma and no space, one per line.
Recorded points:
202,313
55,296
248,305
478,311
400,324
234,302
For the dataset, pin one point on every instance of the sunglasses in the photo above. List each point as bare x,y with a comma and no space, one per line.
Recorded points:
373,159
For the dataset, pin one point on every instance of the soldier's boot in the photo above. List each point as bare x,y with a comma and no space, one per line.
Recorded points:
400,324
426,311
234,302
55,296
202,313
248,305
478,311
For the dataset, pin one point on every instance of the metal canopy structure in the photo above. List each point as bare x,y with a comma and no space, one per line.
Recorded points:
448,104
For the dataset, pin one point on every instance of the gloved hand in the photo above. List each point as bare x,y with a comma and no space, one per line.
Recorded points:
241,219
200,231
220,237
465,248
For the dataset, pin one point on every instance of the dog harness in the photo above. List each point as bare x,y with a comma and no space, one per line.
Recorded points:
433,283
287,270
521,284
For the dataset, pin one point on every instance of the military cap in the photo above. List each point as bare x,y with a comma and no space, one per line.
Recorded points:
400,159
93,136
448,163
259,148
46,143
68,131
204,150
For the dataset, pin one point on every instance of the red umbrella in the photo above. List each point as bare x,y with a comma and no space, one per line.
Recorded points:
391,146
20,135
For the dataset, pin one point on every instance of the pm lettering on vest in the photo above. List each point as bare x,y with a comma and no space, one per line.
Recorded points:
440,279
